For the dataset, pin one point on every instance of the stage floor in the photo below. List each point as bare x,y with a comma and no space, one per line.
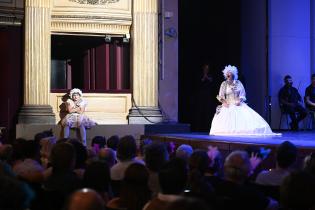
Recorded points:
302,139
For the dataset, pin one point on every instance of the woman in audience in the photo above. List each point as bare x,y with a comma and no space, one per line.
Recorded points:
134,192
97,177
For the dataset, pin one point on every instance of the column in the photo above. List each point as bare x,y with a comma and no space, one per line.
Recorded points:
36,108
145,63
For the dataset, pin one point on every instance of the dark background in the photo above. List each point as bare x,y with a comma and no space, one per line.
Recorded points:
209,32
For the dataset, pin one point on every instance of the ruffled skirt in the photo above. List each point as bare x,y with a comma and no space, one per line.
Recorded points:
75,120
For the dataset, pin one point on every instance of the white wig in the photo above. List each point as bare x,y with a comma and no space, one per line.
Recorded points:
75,90
231,69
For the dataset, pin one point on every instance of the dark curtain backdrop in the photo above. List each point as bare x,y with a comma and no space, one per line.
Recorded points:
11,74
91,64
209,32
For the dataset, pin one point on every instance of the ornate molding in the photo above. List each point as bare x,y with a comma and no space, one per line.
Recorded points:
85,27
95,2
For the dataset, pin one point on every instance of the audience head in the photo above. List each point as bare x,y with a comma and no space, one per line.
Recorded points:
42,135
107,155
112,142
18,149
199,160
286,154
173,176
143,144
309,163
80,153
188,204
127,148
100,141
184,151
97,176
32,150
237,166
135,192
62,157
6,151
297,191
85,199
155,156
14,194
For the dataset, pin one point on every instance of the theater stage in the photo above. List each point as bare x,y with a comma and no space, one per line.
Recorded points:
304,140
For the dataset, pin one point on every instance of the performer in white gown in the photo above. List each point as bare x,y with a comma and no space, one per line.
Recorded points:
234,117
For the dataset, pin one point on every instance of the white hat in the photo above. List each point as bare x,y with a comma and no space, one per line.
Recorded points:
76,90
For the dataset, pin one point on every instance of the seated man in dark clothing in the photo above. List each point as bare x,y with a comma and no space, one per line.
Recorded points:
290,102
310,95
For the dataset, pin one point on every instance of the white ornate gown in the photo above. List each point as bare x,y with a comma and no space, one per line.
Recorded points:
237,120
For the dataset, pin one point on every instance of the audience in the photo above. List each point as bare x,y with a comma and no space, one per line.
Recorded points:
184,151
135,192
85,199
155,156
285,158
97,177
113,142
63,176
107,155
188,204
63,180
298,191
234,189
126,153
172,178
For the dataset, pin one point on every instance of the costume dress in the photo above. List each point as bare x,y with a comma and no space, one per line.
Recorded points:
75,120
237,120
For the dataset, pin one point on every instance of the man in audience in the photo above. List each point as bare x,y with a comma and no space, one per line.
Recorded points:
85,199
297,191
172,178
290,102
155,156
184,151
112,142
14,195
285,159
237,168
29,168
107,155
126,153
62,180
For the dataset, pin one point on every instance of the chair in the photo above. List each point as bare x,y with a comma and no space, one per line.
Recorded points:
288,119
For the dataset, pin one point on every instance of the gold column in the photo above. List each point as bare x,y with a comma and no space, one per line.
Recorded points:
36,108
145,63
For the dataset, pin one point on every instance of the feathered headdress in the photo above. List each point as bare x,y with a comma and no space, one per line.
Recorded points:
231,69
76,90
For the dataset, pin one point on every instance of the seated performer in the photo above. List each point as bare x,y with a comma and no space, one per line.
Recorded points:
310,95
234,117
290,102
76,117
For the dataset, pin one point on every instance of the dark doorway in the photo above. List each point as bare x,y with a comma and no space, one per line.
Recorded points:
210,32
